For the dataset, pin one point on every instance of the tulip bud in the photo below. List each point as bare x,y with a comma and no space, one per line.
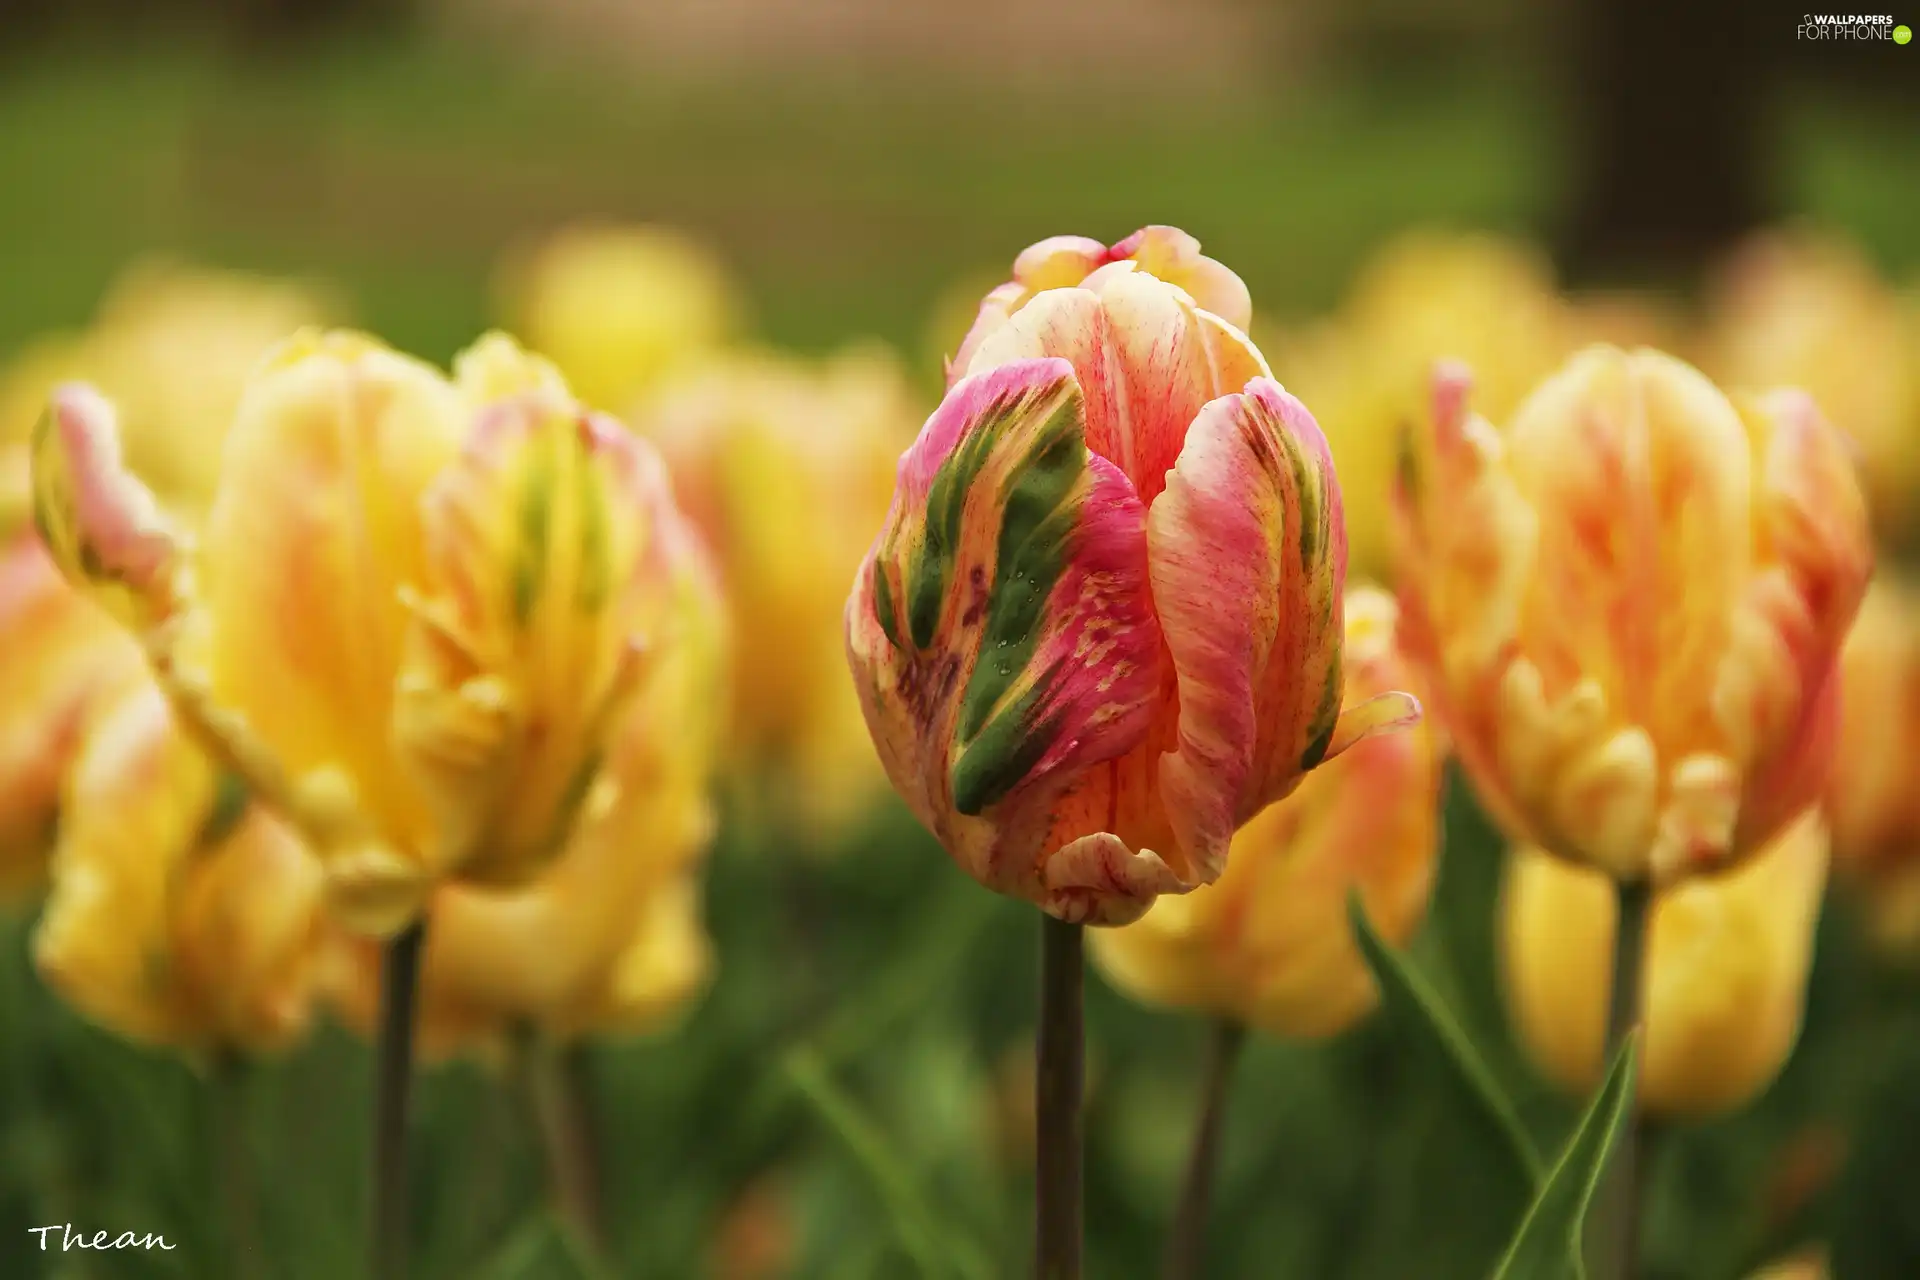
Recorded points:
415,609
1726,971
619,307
1628,608
761,447
1872,803
1804,310
1269,943
1101,625
609,938
181,912
1811,1265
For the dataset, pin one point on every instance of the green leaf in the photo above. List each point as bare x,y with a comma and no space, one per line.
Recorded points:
1548,1244
1467,1165
543,1249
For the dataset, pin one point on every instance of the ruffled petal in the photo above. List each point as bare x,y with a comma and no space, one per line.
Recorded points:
1000,631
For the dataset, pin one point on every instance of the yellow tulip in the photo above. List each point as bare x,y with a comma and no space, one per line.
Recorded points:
1365,371
417,606
608,939
1803,309
1805,1266
57,653
1873,802
617,307
181,912
1268,944
1628,607
172,345
1726,971
787,467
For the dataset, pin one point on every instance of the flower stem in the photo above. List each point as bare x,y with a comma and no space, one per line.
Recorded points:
1060,1065
1187,1246
399,991
560,1085
1624,1013
234,1162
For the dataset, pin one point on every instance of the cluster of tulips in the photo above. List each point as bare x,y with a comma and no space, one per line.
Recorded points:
334,679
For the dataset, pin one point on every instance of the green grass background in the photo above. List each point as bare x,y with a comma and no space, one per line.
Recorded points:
866,1001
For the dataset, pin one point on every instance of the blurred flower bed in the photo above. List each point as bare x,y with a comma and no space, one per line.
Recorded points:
807,1037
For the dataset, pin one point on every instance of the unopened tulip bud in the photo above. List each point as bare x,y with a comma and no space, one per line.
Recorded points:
1628,607
1269,944
1101,625
1726,971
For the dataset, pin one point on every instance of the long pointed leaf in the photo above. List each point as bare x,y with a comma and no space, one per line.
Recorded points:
1548,1244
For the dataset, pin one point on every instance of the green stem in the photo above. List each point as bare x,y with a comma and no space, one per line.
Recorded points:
399,995
560,1084
234,1162
1624,1013
1060,1067
1187,1246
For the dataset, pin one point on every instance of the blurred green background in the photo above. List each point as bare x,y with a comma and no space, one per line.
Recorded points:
847,1094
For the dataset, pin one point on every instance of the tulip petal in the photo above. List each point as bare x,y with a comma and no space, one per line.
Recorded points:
1174,256
1248,557
1000,631
101,524
525,634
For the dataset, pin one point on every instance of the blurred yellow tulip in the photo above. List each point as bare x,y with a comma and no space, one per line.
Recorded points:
1366,371
1726,971
172,345
1269,944
1628,605
181,912
417,606
617,307
1803,309
1873,799
1810,1265
787,466
57,653
609,939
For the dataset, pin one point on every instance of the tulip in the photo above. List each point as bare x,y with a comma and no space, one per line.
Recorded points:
60,652
1872,803
1425,296
608,939
417,606
181,912
172,345
1628,608
1810,311
1804,1266
762,447
1269,943
1725,981
619,307
1101,625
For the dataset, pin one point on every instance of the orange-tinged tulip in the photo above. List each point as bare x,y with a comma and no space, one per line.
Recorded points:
609,938
1427,295
1269,943
617,307
787,467
1101,625
1873,802
1628,607
1726,971
1808,310
172,345
57,653
416,608
181,912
